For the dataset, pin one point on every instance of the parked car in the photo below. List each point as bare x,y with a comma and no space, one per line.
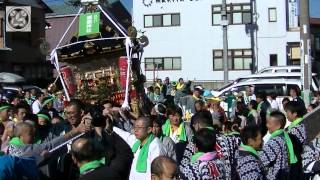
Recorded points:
271,76
13,90
280,87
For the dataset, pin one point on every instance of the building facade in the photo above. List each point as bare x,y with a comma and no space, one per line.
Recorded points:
186,37
21,53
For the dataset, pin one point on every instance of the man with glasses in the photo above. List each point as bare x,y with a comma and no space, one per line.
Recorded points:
73,116
145,146
74,113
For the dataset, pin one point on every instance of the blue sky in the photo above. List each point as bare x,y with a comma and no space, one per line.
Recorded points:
128,4
315,8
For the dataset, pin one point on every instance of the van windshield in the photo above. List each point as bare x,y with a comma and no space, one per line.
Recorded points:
227,85
276,89
315,80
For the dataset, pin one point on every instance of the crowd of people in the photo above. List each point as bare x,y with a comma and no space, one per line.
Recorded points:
187,135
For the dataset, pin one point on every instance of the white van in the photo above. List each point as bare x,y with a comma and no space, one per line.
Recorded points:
280,87
273,76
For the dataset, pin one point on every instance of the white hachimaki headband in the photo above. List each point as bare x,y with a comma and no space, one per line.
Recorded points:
156,107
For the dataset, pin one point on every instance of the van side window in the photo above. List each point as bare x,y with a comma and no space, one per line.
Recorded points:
269,89
281,70
316,82
267,71
295,70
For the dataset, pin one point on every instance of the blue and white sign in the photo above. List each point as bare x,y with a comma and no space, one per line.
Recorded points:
293,14
149,3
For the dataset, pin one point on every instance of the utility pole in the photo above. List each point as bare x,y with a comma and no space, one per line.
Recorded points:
224,24
253,27
305,46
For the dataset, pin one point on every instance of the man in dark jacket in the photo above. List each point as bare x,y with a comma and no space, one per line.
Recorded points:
264,108
295,93
84,154
167,88
63,168
94,166
114,149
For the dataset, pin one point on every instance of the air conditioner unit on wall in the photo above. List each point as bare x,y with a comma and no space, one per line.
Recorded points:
86,2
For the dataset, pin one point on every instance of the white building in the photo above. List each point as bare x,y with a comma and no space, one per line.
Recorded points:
186,38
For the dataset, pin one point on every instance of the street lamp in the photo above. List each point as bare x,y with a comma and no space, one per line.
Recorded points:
224,24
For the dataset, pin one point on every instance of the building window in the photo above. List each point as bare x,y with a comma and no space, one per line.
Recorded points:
157,20
216,15
163,63
293,50
273,60
217,60
148,22
167,20
238,59
162,20
175,19
272,14
236,14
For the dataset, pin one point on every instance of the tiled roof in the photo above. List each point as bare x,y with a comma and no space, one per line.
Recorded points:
61,7
314,21
33,3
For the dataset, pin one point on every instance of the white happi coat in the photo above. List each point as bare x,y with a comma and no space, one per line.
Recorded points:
155,149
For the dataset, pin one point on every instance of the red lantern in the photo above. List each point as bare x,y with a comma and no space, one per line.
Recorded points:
69,79
123,65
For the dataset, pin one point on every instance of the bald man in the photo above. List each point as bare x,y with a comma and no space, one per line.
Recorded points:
84,154
88,157
24,145
164,168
